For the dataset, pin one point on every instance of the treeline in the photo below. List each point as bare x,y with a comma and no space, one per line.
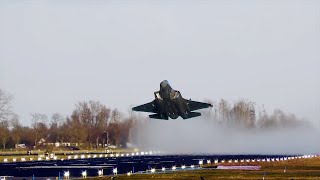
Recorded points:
243,113
92,124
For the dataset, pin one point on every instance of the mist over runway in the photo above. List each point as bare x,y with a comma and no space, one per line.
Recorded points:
200,135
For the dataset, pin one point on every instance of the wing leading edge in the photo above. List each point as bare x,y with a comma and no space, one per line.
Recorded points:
148,107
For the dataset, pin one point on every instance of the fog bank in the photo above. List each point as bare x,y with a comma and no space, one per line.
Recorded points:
201,135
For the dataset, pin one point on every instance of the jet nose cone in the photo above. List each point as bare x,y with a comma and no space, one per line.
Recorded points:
164,84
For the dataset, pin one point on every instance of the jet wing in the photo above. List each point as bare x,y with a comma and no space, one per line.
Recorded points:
194,105
148,107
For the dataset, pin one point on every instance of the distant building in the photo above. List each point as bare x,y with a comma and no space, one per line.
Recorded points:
21,146
42,142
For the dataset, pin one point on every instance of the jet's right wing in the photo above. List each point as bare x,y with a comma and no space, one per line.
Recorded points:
194,105
148,107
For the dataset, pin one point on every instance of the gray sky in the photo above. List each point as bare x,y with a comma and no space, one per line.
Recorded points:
56,53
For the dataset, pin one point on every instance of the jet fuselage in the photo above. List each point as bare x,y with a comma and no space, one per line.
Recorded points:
170,102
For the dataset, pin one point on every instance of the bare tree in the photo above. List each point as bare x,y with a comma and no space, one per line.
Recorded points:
224,109
243,112
17,129
92,119
5,105
55,134
125,128
56,119
38,118
114,127
4,133
39,126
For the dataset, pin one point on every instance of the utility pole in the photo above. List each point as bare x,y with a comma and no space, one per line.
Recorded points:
107,139
97,143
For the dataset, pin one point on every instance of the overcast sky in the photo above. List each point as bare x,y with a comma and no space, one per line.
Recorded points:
56,53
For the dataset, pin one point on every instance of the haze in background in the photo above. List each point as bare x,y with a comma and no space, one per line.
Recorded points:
56,53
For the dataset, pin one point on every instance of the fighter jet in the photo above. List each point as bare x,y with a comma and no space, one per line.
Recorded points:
169,103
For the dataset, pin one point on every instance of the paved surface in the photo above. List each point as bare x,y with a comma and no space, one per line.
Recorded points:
75,167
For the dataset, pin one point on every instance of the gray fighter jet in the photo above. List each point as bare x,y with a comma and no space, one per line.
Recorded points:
170,103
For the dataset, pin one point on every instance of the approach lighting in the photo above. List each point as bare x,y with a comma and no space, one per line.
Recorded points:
84,174
115,171
67,174
153,170
100,172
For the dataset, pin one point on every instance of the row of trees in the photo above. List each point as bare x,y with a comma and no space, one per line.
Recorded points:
92,123
243,113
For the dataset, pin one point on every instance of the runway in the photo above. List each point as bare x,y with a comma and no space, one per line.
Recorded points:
134,164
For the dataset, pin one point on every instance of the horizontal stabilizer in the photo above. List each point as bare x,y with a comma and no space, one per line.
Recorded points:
192,114
157,116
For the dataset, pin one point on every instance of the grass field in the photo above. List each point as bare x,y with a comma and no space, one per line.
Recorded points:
295,169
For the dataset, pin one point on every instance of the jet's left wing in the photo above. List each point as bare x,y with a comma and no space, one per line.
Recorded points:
148,107
194,105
